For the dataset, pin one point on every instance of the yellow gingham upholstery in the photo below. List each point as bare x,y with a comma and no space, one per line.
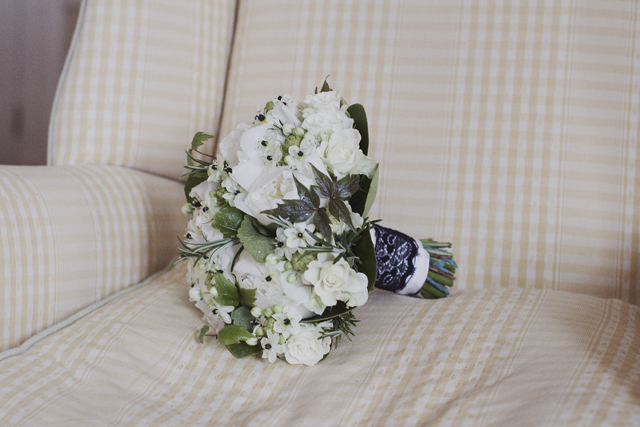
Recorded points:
507,128
143,78
508,357
73,235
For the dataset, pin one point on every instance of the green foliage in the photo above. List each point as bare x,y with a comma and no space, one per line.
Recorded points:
247,297
359,116
363,199
199,139
228,220
329,313
203,333
242,317
242,349
364,249
233,334
227,291
258,245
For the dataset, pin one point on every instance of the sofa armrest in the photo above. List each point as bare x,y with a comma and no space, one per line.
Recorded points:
72,235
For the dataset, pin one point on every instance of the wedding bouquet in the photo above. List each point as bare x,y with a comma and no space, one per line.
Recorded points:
279,246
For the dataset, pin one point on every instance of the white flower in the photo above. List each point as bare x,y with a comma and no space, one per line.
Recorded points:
322,101
298,236
195,294
327,120
230,144
268,190
286,323
338,227
306,347
343,156
215,315
334,282
282,113
271,346
233,190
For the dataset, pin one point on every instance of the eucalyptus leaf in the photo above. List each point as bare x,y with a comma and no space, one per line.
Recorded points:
359,116
227,291
233,334
258,245
247,296
228,220
242,317
244,350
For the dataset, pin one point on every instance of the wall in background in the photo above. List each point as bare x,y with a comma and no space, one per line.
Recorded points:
34,39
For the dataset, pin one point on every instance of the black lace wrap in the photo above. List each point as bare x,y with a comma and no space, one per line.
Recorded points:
395,253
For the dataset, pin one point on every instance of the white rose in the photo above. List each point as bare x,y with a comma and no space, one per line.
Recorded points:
323,100
230,144
327,120
343,155
334,282
306,347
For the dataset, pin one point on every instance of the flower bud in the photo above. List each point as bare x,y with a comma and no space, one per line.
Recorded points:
187,209
259,331
267,312
287,159
281,340
287,128
277,308
288,266
292,277
268,107
252,341
299,132
269,324
195,294
256,312
271,259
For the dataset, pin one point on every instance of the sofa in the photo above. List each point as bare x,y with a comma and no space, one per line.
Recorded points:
507,128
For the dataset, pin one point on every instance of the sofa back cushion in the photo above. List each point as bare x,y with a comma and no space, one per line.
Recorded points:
510,129
141,79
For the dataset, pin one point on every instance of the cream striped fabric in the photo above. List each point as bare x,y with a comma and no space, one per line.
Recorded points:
72,235
494,357
510,128
144,76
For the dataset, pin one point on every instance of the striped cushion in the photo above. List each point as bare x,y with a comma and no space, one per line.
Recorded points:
143,78
484,357
508,128
72,235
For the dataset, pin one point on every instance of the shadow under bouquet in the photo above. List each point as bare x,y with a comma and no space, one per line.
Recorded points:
279,246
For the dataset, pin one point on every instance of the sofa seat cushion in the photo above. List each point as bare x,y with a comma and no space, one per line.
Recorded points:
484,357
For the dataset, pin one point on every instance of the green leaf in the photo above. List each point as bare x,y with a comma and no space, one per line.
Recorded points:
347,186
199,139
244,350
242,317
340,211
203,333
258,245
329,313
293,210
362,200
192,181
325,86
228,220
365,251
233,334
359,116
324,187
306,195
323,224
227,291
247,297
